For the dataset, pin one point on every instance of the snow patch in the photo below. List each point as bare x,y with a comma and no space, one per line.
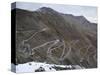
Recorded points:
36,66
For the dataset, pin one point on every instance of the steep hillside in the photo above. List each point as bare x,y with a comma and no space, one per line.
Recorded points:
46,35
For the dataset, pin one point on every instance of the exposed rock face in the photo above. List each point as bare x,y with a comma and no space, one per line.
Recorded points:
48,36
40,69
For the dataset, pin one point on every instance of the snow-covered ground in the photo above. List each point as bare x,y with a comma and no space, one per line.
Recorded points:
36,66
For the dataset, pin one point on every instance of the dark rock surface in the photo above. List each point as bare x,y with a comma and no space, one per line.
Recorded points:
40,69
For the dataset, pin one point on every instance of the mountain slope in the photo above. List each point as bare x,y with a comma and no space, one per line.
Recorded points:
48,36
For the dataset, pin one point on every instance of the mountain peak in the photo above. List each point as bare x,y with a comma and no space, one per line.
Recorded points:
82,19
46,9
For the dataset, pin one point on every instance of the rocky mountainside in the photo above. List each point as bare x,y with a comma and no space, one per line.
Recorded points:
46,35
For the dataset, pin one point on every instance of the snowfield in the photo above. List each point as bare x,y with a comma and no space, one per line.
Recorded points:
39,67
